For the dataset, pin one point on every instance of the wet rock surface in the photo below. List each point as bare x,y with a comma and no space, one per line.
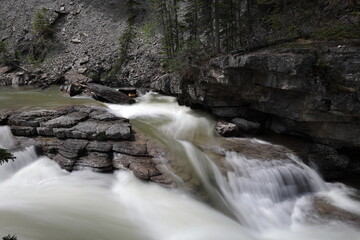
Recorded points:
329,212
246,126
307,92
78,137
253,149
226,129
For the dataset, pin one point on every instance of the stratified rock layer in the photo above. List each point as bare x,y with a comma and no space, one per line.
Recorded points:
309,92
79,137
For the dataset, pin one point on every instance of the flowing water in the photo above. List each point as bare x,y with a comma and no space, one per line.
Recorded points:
242,197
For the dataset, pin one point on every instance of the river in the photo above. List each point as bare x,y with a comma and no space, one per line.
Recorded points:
251,199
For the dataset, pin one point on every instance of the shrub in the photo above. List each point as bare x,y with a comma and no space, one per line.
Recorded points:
41,23
5,156
3,48
9,237
148,30
4,53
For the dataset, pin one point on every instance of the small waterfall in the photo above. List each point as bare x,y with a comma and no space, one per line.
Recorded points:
6,138
22,158
263,193
260,193
247,198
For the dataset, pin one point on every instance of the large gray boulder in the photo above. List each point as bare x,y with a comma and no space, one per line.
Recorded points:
226,129
107,94
246,126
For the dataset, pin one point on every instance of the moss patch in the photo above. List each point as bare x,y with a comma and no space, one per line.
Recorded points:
337,32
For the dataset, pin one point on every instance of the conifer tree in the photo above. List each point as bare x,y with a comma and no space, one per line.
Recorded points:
5,156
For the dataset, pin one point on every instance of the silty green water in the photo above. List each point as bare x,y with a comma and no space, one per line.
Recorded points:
35,98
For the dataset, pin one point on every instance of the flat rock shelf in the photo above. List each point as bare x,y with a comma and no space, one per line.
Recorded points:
79,137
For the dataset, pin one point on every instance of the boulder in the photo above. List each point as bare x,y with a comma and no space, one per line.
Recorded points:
6,69
144,170
107,94
246,126
226,129
331,164
75,77
329,212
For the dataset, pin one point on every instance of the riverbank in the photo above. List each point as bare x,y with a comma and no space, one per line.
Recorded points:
307,89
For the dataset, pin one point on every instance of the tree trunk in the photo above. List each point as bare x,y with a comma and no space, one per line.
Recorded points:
352,3
177,43
249,17
217,26
211,26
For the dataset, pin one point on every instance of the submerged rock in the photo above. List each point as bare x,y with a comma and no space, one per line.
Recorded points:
329,212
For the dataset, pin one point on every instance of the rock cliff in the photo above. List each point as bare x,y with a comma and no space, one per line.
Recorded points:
311,91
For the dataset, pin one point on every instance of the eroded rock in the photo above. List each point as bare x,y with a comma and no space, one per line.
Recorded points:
226,129
79,137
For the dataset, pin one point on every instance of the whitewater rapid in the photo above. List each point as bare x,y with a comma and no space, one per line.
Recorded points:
41,201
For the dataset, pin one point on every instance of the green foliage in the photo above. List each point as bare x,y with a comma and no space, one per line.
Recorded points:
3,48
4,53
5,56
9,237
148,30
33,60
41,23
334,82
336,32
126,39
43,41
208,27
189,55
5,156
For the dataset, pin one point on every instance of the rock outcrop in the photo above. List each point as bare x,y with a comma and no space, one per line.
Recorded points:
309,91
79,137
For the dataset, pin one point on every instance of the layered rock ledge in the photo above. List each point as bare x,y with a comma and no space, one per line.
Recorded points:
79,137
311,91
